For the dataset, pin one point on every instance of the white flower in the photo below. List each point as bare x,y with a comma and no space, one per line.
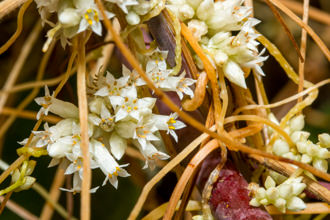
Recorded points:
91,16
151,154
44,137
198,28
159,74
56,106
44,102
144,132
131,106
76,159
183,86
168,123
105,121
77,185
113,86
108,165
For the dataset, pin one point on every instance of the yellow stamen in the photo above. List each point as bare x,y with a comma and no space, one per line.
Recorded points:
171,127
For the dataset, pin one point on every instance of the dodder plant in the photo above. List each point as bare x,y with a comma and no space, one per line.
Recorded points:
192,56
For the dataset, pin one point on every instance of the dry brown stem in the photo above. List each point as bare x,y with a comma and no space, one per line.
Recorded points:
30,115
199,94
303,44
15,71
19,210
83,119
312,208
54,194
286,29
193,164
309,30
314,13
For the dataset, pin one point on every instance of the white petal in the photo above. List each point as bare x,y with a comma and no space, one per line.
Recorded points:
118,145
234,73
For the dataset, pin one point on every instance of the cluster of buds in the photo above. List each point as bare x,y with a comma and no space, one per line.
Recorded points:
307,152
20,177
284,196
213,24
120,114
75,16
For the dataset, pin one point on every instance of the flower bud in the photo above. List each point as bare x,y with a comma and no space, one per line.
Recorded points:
298,188
234,73
264,202
272,193
205,9
312,149
297,136
269,182
324,140
132,18
219,37
15,175
260,193
285,190
296,204
220,57
297,123
69,17
142,8
186,12
323,153
30,167
197,28
28,182
194,3
254,202
302,147
58,149
320,164
64,109
306,158
280,204
278,178
280,147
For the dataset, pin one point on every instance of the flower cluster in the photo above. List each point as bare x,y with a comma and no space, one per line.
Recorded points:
213,23
118,116
283,196
307,151
75,16
163,78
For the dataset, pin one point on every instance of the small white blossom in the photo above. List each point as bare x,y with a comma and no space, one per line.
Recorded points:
131,106
77,185
113,86
169,124
108,165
